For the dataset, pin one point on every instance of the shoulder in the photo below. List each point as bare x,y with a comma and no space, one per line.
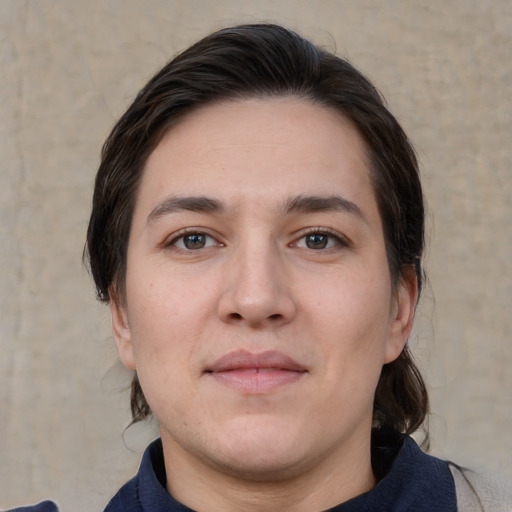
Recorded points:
146,490
479,492
44,506
126,499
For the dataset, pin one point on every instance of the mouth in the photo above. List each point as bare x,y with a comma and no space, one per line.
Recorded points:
251,373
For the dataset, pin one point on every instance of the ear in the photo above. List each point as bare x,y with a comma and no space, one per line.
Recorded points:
121,331
402,313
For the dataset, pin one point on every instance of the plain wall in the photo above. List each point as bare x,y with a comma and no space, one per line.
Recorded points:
70,68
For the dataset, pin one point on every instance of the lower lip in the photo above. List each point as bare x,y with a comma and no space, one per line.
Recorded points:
252,382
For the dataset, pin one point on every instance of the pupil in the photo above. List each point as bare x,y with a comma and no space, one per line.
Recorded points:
195,241
316,241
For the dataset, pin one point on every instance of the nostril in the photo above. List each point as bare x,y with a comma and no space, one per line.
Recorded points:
238,316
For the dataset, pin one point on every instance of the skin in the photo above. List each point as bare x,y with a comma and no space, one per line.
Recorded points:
256,269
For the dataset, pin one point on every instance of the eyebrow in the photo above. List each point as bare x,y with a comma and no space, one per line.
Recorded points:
312,204
175,204
296,204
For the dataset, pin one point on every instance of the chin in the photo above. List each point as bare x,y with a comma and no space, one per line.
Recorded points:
261,452
258,467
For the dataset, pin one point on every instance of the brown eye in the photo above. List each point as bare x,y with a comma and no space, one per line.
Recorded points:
316,241
193,241
320,240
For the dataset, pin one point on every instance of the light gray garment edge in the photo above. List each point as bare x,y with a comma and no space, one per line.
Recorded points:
480,493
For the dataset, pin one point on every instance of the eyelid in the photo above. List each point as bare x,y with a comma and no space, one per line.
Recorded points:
342,240
170,241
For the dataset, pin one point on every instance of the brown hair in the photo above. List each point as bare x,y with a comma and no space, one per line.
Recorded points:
260,61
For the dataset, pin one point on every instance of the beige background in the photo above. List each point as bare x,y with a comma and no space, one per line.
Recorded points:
69,68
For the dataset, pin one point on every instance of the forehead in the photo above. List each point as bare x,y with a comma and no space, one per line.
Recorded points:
267,148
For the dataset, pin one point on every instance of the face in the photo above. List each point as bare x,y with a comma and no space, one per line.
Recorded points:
259,308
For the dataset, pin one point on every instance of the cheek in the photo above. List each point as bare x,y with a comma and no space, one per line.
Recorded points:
167,315
162,347
350,302
351,318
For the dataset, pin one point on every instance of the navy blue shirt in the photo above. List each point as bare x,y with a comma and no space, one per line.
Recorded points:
44,506
409,480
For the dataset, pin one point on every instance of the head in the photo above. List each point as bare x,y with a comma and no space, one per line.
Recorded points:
265,62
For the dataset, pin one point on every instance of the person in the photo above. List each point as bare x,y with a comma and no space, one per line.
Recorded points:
257,229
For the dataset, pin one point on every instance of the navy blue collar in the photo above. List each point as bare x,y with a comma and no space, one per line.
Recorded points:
410,480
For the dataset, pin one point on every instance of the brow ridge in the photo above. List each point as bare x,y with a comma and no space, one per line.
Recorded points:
296,204
174,204
312,204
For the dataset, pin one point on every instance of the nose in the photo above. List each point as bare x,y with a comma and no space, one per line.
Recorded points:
256,290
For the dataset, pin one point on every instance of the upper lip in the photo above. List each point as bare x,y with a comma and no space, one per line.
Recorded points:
244,360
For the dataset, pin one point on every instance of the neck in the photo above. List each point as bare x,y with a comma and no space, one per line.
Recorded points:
329,481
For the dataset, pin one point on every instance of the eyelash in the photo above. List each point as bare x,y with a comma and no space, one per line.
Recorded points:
340,241
182,234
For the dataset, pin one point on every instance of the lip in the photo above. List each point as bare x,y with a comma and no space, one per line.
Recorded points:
251,373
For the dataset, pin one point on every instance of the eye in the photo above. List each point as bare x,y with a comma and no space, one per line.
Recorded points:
193,241
319,240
